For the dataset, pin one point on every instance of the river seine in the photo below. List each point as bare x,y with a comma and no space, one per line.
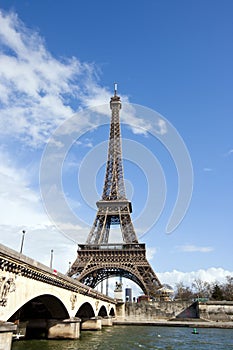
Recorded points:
138,337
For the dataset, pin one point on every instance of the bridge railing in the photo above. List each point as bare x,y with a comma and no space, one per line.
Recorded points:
19,264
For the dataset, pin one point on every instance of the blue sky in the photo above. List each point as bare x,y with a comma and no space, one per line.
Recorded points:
174,57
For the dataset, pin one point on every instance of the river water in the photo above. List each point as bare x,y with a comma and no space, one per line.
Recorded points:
138,337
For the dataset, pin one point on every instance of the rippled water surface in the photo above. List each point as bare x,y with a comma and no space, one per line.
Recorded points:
138,337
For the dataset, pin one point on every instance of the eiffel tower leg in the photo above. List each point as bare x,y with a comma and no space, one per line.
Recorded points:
97,232
127,229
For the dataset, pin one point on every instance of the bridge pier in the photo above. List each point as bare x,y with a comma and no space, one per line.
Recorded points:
6,332
92,324
64,329
120,309
107,321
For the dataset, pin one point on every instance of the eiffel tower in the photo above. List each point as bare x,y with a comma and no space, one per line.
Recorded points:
98,259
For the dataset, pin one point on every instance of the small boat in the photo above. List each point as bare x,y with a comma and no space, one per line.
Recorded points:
195,331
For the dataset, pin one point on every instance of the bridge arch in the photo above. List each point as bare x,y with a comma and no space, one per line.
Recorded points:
102,311
85,311
42,306
112,312
94,276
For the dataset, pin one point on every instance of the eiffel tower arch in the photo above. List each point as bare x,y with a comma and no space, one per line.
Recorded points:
98,259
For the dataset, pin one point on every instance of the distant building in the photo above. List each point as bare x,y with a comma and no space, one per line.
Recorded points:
128,295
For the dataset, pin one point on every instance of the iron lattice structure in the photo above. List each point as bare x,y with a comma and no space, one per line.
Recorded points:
98,259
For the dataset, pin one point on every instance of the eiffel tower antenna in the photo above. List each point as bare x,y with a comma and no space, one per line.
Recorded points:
98,259
115,89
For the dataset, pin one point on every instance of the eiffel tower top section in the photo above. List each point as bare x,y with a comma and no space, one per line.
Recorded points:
114,187
113,208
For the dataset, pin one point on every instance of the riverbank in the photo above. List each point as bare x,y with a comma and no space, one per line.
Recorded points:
177,323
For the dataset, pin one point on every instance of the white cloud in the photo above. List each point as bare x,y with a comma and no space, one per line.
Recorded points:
19,204
35,87
210,275
85,143
96,97
194,248
207,169
150,253
137,123
230,152
162,127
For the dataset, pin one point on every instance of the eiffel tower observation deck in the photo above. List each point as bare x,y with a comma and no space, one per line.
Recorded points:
98,259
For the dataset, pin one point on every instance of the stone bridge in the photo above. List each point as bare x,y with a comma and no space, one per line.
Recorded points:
46,300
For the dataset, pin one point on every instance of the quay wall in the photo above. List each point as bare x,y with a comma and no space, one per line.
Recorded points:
155,310
216,310
152,311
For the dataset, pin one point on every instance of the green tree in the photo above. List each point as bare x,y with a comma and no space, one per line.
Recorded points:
217,293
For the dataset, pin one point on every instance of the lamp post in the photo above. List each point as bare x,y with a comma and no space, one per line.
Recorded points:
51,259
22,241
